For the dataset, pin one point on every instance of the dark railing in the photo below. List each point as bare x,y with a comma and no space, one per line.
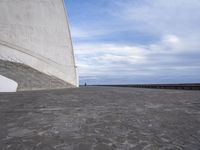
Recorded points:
193,86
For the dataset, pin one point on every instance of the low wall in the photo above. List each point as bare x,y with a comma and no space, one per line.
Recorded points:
193,86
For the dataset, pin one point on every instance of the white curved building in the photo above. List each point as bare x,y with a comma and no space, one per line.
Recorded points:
36,33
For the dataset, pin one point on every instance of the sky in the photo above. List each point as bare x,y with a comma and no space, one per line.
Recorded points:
136,41
7,85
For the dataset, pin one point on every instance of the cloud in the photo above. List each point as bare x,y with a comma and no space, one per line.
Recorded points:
78,32
161,16
152,41
171,39
101,60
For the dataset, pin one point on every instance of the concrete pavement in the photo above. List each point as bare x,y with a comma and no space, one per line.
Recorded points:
100,118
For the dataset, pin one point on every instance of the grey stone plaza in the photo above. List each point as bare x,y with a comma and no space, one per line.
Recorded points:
48,113
100,118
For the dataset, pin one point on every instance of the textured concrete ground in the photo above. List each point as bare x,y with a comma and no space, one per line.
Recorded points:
29,78
100,118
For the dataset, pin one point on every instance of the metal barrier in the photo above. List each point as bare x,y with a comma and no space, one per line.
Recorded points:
186,86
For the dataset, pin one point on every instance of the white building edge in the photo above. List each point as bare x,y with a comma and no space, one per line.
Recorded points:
36,33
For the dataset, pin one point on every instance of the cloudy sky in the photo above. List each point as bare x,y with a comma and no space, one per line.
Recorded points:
136,41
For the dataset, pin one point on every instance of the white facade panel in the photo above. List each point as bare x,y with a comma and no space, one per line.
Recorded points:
36,32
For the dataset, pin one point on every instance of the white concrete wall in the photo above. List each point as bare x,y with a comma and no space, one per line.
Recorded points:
36,32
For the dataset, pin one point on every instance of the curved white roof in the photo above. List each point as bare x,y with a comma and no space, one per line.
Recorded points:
36,33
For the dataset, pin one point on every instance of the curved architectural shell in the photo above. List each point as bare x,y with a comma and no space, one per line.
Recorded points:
36,33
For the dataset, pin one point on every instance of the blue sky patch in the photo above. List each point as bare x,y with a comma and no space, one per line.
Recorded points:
136,41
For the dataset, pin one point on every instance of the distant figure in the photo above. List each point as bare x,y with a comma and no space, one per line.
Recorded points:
85,84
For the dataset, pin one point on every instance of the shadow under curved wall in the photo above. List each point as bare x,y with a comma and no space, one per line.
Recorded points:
29,78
